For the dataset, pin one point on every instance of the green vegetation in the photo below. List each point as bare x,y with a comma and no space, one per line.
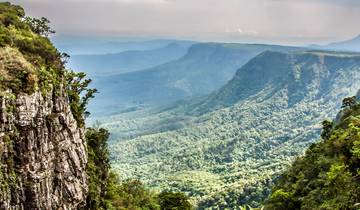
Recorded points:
8,180
39,26
79,94
106,192
30,62
223,151
327,176
254,128
27,52
98,167
174,201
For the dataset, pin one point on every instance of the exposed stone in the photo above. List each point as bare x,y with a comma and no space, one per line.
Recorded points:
42,154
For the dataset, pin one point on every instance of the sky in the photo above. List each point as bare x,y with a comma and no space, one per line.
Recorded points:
269,21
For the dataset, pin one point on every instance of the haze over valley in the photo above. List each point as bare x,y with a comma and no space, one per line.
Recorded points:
181,105
203,117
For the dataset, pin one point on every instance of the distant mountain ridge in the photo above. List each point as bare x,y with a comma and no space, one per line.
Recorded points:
205,68
93,45
128,61
350,45
347,45
272,69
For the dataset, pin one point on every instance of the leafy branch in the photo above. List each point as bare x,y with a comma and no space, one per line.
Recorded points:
79,94
39,26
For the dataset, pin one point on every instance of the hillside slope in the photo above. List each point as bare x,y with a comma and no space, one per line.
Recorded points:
303,74
230,154
205,68
128,61
327,176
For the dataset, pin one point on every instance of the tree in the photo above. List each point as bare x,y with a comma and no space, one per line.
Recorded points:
105,190
98,167
327,128
349,102
132,195
39,26
174,201
64,58
281,199
79,94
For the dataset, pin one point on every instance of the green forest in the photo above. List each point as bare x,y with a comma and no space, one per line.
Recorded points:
106,192
327,176
227,149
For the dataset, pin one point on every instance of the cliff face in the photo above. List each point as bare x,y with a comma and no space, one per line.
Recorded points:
42,153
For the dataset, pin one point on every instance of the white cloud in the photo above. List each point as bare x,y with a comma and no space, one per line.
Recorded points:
202,19
142,1
247,32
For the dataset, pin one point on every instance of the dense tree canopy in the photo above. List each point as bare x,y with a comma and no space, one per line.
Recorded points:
174,201
108,193
39,26
327,177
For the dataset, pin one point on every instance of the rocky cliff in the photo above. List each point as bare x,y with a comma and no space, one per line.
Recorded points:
43,153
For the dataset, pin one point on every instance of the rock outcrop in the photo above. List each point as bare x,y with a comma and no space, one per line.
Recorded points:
42,153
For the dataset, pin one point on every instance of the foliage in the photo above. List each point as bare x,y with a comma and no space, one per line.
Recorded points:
24,54
349,102
98,167
39,26
16,32
9,176
79,94
17,74
133,195
105,190
327,127
31,62
174,201
327,177
232,156
247,207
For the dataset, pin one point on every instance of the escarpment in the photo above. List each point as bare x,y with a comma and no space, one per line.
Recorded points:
43,153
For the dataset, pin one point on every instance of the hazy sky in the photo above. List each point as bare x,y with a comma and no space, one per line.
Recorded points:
287,21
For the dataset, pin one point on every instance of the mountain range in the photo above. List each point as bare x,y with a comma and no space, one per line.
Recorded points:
95,46
233,126
347,45
127,61
203,69
226,149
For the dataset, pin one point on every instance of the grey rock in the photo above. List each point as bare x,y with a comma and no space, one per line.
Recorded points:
42,154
